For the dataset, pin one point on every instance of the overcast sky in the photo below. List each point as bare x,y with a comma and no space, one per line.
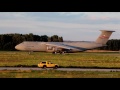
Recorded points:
77,26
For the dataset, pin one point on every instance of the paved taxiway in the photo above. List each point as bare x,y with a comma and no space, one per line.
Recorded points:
62,69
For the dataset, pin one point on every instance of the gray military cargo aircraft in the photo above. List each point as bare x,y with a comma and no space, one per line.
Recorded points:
65,47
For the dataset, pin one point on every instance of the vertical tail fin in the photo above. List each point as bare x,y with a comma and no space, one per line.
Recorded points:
103,38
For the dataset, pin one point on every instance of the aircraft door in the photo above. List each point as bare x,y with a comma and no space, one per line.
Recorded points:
50,49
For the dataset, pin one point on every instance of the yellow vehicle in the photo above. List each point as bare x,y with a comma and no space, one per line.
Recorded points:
47,64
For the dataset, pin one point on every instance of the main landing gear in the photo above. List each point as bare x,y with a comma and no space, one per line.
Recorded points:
60,52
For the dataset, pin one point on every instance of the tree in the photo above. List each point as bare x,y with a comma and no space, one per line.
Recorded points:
44,38
9,41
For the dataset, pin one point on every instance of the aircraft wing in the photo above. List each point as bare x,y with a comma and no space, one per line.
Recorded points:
64,46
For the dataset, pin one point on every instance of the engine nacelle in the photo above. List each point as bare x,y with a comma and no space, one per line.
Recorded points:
52,49
57,50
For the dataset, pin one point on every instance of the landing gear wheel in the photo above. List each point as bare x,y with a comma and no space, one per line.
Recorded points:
44,67
54,52
56,67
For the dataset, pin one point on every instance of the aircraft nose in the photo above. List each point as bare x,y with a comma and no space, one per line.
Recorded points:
18,47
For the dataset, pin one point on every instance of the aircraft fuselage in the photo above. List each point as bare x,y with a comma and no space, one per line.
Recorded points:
61,47
41,46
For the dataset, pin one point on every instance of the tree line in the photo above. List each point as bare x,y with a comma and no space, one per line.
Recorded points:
9,41
113,44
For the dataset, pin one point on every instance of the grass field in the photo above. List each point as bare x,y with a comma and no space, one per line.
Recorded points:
57,74
83,59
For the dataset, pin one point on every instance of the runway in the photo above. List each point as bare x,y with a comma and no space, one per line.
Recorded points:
62,69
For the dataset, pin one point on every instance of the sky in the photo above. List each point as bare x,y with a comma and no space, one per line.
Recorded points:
74,26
